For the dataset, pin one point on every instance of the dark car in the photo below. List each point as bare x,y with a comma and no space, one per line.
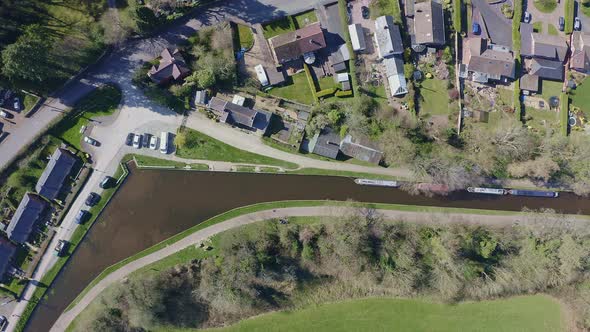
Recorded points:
365,12
129,140
81,217
3,322
92,199
106,182
561,23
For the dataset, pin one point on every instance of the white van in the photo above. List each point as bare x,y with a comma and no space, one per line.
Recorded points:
164,142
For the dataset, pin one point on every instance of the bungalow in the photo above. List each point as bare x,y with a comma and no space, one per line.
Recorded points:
240,116
172,67
325,143
55,174
580,59
357,37
387,37
294,44
361,148
25,218
7,251
541,45
429,25
394,70
486,62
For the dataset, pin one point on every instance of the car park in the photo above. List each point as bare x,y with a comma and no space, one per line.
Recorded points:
137,141
577,24
92,199
60,248
527,17
90,141
81,217
561,23
106,182
154,143
129,140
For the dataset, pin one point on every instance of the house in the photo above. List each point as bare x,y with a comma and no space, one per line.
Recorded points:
25,218
172,67
580,58
361,148
339,58
7,251
325,143
357,37
201,97
55,174
240,116
546,69
429,25
495,26
542,45
394,70
529,84
387,37
487,62
294,44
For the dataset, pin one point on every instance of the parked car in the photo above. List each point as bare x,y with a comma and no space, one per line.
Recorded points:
561,23
106,182
137,141
577,24
129,140
3,322
146,139
365,12
60,247
90,141
92,199
527,17
81,216
3,115
475,28
154,143
16,104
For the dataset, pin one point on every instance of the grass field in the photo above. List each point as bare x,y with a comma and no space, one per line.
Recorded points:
519,314
100,102
204,147
278,27
550,89
435,97
538,27
305,18
581,96
245,36
298,90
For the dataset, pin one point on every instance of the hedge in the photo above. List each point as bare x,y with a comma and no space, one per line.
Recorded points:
569,16
564,112
325,92
457,15
346,93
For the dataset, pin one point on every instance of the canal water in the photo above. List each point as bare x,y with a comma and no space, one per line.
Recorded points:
153,205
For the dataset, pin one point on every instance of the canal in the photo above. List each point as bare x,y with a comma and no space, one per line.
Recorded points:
153,205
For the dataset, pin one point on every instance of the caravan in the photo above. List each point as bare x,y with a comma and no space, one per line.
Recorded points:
164,142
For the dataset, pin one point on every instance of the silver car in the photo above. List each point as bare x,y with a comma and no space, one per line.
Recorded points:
137,141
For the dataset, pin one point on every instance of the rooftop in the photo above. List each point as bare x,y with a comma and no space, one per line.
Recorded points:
429,26
293,44
55,174
26,216
387,37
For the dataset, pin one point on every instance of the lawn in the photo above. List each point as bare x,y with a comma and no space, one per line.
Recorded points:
552,30
505,96
278,27
435,97
298,90
305,18
538,27
519,314
550,89
545,6
541,119
245,36
101,102
201,146
385,7
581,96
327,82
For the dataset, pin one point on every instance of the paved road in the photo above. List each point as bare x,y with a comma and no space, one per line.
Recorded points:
67,317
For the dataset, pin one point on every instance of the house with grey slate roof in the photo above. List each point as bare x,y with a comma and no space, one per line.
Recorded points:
361,148
56,172
325,143
485,62
7,251
247,118
27,215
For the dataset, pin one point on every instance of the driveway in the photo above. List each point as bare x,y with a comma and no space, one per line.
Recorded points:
545,18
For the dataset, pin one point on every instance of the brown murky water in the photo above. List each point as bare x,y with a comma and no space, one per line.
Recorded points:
154,205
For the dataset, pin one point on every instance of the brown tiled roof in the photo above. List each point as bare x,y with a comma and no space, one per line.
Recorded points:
172,66
580,59
294,44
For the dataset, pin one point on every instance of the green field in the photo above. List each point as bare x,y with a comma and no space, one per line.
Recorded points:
550,89
581,96
278,27
201,146
103,101
435,97
519,314
305,18
298,90
245,36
